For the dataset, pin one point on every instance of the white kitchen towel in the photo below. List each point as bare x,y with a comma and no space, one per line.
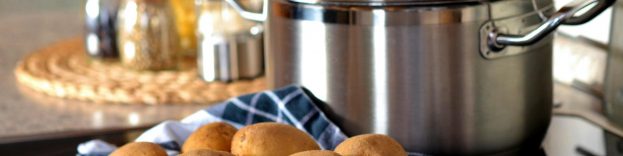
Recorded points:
290,105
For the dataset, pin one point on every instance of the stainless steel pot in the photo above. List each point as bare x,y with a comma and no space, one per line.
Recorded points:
444,77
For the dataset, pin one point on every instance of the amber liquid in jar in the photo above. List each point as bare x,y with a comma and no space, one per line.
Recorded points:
186,25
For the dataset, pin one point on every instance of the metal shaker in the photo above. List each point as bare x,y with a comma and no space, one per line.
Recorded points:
229,47
614,73
100,36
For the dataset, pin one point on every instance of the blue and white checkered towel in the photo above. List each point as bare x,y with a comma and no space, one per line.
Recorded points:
290,105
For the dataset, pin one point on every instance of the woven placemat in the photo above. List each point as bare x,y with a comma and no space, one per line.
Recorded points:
64,70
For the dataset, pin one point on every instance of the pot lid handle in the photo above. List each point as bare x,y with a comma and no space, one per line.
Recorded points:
249,15
566,15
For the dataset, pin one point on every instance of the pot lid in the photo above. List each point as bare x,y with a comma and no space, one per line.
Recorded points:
392,2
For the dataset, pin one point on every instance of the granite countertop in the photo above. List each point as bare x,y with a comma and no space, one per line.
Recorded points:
26,26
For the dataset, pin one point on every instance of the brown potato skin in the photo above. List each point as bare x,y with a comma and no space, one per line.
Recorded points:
139,149
205,152
316,153
271,139
213,136
370,145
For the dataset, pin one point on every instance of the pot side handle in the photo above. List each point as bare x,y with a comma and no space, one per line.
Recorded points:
566,15
249,15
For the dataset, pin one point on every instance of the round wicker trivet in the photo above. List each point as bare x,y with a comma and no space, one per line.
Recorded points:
64,70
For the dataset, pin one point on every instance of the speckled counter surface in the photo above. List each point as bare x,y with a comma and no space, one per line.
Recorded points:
26,26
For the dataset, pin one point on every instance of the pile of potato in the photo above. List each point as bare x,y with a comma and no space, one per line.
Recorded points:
265,139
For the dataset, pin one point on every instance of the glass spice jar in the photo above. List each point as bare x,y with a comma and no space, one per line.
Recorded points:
147,37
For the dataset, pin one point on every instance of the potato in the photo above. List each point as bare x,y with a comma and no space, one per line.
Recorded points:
213,136
205,152
139,149
370,145
271,139
316,153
